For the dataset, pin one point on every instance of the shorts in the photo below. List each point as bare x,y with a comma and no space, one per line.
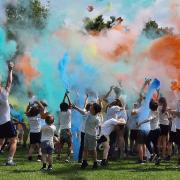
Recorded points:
66,136
35,138
103,139
7,130
133,134
142,137
90,142
172,137
47,147
164,129
178,137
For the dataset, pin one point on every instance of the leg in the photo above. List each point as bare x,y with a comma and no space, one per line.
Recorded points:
12,150
2,140
81,147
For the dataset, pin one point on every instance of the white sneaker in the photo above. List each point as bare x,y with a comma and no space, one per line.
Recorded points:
10,163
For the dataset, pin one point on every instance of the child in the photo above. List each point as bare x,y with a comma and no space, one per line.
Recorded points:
92,122
164,125
47,145
65,127
7,130
34,112
106,129
86,108
154,133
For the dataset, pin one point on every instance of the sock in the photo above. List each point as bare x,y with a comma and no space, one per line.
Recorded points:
44,165
10,158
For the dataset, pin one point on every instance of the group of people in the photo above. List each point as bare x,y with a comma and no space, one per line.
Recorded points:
107,124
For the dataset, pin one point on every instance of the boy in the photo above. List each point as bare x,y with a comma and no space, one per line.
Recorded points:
65,127
47,146
92,122
7,129
106,129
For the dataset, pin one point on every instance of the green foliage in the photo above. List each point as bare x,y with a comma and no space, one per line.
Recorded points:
98,23
32,14
153,31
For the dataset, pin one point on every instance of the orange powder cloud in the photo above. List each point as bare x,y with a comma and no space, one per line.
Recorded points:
24,65
167,51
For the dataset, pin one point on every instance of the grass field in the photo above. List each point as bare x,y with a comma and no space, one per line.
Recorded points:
122,169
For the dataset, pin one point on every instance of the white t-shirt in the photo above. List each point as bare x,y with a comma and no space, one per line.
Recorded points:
173,126
132,120
112,112
154,120
108,126
4,107
122,114
47,133
84,117
163,118
178,118
65,119
35,124
92,122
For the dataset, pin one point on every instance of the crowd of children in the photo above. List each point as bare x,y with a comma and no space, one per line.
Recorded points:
107,124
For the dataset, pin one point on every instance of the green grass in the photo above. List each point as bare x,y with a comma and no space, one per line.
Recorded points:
122,169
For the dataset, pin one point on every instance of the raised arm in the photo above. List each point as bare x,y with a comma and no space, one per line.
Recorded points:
108,93
79,110
86,101
10,77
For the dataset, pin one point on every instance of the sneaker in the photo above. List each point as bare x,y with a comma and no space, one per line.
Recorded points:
140,162
10,163
39,158
30,158
95,165
168,158
43,169
49,169
84,164
104,162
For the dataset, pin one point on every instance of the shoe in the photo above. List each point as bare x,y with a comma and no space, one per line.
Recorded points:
104,162
140,162
84,164
10,163
30,158
43,169
39,158
95,165
49,169
168,158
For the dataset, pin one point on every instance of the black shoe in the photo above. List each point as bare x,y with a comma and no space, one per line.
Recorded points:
95,165
140,162
168,158
84,164
30,158
104,162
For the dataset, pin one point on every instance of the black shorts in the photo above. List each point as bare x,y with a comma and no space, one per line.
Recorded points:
133,134
178,137
142,137
154,135
172,137
102,139
164,129
7,130
35,138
